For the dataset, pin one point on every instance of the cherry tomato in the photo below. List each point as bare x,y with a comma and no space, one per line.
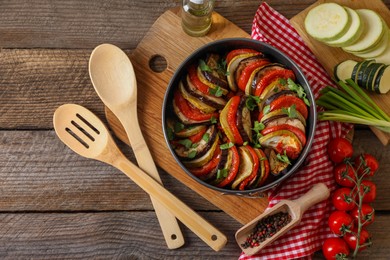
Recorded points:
366,164
367,214
335,248
344,175
340,222
339,149
368,190
343,199
351,239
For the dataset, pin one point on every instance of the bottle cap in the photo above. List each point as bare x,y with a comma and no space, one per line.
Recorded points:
198,2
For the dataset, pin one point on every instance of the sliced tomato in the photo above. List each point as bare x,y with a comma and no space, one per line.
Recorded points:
264,167
236,52
192,73
287,101
298,132
282,141
197,137
271,76
255,168
189,111
233,168
247,71
208,167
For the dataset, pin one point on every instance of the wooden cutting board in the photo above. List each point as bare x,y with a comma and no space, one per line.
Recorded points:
329,56
166,39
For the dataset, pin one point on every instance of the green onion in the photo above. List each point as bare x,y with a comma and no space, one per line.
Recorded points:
350,104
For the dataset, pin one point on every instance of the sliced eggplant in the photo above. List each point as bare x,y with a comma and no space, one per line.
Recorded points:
185,120
210,84
183,131
275,95
207,156
277,167
211,100
286,120
262,173
283,142
195,100
263,71
274,87
198,149
246,166
244,122
223,166
245,62
232,67
280,113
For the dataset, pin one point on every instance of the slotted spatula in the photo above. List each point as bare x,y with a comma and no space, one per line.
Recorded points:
85,134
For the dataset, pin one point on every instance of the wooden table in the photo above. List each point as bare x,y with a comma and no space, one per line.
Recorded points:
55,204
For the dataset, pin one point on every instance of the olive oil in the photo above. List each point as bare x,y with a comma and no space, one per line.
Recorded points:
196,16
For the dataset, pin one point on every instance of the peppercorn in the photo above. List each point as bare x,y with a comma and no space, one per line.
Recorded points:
267,227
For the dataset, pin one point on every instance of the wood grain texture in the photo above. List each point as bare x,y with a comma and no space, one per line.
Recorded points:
336,55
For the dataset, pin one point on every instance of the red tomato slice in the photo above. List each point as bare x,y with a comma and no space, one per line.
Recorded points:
232,119
271,76
255,168
189,111
236,52
287,101
196,81
247,71
197,137
298,132
233,168
208,167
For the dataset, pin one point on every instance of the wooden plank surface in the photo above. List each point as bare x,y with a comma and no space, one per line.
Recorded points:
336,55
56,205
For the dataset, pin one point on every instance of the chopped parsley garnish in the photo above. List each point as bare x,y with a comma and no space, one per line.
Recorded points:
192,154
213,120
291,112
206,137
170,134
226,146
257,127
186,142
222,67
299,90
252,102
283,158
216,91
204,66
221,174
266,109
178,127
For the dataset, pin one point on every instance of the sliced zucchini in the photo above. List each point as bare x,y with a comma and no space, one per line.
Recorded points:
327,22
355,71
382,82
343,70
370,74
232,67
385,56
205,158
246,166
372,33
354,32
194,100
362,71
377,50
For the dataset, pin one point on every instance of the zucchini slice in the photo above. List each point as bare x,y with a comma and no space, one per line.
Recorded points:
354,32
382,82
327,22
385,56
343,70
372,33
370,75
377,50
362,71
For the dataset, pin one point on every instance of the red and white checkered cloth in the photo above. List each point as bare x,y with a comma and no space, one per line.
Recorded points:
301,242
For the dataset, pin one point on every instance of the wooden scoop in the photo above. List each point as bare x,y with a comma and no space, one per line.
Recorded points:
294,208
85,134
114,80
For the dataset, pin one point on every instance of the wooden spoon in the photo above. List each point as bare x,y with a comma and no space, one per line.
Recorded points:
114,80
294,208
86,135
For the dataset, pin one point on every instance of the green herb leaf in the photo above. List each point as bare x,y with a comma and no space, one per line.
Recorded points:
282,81
299,90
222,174
170,134
213,120
216,91
206,137
221,66
178,127
283,158
252,102
245,143
203,66
226,146
192,154
266,109
186,142
291,112
257,126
